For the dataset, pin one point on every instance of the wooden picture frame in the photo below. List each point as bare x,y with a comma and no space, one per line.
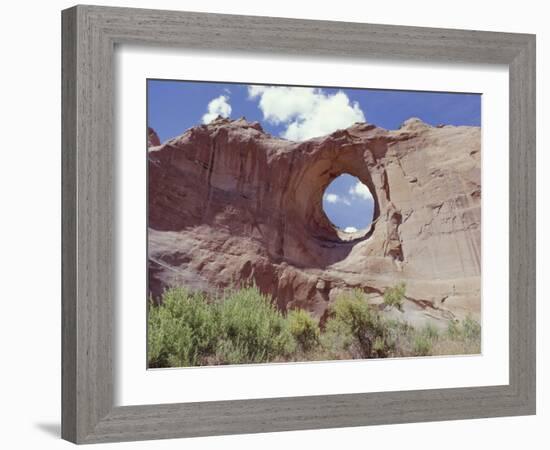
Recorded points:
90,34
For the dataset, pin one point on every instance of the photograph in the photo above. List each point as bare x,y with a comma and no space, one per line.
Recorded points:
266,225
305,223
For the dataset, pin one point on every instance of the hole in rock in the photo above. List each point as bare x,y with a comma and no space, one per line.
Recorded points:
349,205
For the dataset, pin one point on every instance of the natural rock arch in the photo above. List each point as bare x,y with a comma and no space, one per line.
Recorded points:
230,203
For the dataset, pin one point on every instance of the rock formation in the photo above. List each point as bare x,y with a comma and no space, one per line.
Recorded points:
229,203
152,138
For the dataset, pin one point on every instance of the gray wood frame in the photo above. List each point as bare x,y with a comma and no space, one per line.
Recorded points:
90,34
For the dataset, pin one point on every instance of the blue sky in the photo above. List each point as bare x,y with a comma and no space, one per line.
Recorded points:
348,203
300,113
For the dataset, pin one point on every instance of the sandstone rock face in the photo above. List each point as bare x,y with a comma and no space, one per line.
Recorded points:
229,203
152,138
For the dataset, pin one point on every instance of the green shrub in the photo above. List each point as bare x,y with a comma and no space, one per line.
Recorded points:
304,329
393,296
471,329
467,329
181,331
461,338
424,339
243,326
251,329
396,335
422,345
453,329
379,346
430,331
354,326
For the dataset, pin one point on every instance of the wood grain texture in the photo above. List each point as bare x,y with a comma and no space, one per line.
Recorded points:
68,226
89,37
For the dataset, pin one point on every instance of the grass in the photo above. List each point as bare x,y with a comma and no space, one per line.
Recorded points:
242,326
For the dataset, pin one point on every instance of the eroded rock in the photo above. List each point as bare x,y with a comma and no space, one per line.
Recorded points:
152,138
229,203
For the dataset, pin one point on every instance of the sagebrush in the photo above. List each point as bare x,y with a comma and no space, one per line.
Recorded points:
243,326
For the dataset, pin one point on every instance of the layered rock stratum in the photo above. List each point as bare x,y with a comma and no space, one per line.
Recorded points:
229,204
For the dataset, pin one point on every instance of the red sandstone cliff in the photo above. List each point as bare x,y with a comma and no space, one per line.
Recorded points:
228,203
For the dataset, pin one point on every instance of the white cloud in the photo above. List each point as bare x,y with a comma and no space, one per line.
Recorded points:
217,107
335,198
306,112
350,229
332,198
360,190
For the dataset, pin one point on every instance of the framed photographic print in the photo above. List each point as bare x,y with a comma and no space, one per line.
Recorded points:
268,222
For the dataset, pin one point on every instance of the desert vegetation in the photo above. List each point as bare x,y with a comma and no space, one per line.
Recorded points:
242,326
